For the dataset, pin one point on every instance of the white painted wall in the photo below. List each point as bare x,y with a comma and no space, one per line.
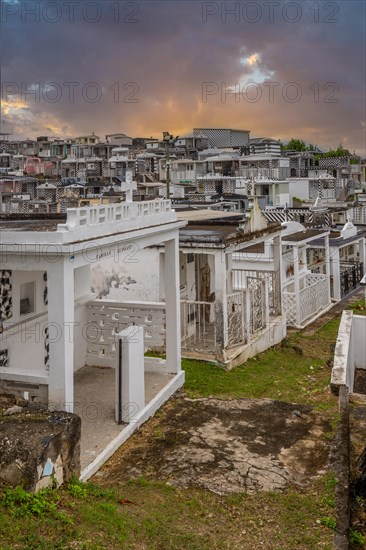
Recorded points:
188,291
288,260
25,341
359,340
132,276
255,261
282,199
298,187
26,348
82,281
22,277
80,336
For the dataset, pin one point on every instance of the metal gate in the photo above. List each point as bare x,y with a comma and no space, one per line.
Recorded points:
351,275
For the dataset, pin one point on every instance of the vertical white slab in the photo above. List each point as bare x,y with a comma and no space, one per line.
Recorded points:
336,273
130,374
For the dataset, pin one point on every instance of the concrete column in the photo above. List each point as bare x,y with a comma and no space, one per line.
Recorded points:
247,328
130,374
277,267
220,286
82,281
229,270
336,273
60,280
265,289
161,276
362,251
172,302
295,251
327,264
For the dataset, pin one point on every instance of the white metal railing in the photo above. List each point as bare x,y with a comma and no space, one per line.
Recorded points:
246,315
238,316
198,325
241,279
258,304
106,318
290,309
310,301
314,297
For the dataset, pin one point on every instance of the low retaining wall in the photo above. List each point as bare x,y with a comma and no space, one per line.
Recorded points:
37,447
343,370
341,468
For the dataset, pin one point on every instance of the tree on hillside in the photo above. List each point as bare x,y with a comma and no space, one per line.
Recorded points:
299,145
339,152
295,145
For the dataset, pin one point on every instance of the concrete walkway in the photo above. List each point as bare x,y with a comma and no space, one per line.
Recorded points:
95,404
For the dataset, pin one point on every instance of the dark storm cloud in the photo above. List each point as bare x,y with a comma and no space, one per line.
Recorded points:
171,51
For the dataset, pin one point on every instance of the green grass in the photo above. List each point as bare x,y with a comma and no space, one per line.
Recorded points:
295,371
359,307
143,514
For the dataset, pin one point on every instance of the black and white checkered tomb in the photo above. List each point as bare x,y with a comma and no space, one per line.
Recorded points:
4,358
6,300
45,289
46,349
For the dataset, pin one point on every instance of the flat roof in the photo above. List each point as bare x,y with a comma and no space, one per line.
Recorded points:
266,156
339,240
301,236
221,234
199,215
29,222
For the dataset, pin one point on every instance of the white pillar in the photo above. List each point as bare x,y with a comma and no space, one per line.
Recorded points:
221,303
172,304
161,276
297,283
229,261
60,280
130,374
247,304
327,265
277,268
265,289
362,251
336,274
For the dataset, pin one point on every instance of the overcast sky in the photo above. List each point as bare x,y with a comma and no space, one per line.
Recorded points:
277,68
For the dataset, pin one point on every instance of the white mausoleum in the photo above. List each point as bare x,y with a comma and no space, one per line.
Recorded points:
56,337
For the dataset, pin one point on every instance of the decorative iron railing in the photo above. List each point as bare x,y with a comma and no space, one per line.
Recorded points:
351,275
241,279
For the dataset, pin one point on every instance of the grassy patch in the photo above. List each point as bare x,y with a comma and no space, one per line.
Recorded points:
152,515
295,371
359,307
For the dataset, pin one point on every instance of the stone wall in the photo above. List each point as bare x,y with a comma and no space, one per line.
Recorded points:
38,448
